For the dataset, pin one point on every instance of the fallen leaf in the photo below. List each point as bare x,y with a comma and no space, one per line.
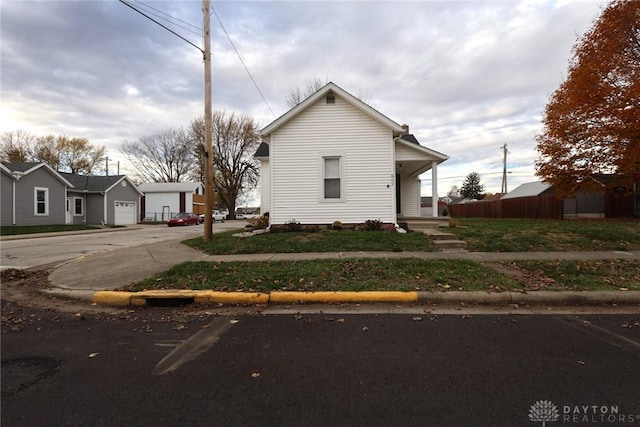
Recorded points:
92,355
233,321
255,375
417,318
581,362
365,329
205,327
328,319
340,320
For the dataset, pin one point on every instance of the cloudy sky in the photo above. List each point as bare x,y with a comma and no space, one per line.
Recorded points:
467,76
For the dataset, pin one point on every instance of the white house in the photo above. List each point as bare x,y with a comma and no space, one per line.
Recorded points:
335,158
162,200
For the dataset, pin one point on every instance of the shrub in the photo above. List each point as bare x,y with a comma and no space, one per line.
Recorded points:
259,222
337,225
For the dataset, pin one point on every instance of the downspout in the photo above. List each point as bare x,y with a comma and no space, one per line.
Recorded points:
13,203
104,207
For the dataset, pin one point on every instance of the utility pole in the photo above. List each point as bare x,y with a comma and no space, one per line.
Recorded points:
504,170
107,165
208,170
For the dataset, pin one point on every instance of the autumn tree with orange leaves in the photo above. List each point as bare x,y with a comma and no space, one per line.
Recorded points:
592,121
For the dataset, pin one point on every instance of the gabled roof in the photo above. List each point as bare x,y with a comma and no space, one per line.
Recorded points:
169,187
20,169
262,151
323,91
94,183
410,141
530,189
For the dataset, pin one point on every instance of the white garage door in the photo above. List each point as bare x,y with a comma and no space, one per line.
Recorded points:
125,213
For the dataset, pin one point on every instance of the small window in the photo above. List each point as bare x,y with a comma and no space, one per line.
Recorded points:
41,201
331,99
77,206
332,177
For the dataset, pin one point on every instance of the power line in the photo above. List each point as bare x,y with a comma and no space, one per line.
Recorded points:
242,61
170,16
163,26
171,20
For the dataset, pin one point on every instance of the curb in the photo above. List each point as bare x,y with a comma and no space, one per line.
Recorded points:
165,297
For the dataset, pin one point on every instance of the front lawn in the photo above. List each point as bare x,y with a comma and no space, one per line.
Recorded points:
406,274
322,241
13,230
586,275
522,235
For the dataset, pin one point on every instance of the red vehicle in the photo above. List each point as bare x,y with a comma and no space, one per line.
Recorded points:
184,218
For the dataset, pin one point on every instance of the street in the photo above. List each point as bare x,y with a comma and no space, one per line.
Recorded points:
36,251
319,366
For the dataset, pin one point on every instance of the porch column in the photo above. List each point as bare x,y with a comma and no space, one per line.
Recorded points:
434,188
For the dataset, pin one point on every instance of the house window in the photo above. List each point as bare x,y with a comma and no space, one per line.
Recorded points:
332,175
41,201
331,99
77,206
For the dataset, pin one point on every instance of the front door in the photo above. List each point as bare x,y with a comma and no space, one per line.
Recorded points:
69,213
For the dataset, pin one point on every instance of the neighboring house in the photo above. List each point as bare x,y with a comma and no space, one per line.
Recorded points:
426,206
35,194
603,196
162,200
98,199
32,194
335,158
530,189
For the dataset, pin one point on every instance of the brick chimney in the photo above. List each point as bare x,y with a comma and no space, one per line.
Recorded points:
405,129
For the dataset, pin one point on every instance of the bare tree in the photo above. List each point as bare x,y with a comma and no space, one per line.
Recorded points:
167,156
235,140
17,146
75,155
297,95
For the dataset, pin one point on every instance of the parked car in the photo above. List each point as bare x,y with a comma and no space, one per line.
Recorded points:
183,218
216,216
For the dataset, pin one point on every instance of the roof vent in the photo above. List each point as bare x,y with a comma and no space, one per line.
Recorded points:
331,99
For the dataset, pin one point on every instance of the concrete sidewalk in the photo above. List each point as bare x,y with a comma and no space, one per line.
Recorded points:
83,277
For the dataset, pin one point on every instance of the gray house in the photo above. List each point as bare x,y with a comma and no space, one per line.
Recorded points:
35,194
112,199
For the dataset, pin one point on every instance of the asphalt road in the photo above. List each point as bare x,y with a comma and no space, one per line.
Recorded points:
36,251
162,367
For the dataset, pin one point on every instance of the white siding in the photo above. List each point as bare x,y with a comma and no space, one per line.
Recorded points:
265,186
404,153
410,196
340,129
155,201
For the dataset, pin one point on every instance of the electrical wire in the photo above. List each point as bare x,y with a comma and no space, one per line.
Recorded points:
170,20
242,61
163,26
170,16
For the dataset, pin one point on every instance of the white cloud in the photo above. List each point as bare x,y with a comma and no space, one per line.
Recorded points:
466,76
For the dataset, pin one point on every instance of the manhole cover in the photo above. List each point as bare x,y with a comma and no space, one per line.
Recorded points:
18,374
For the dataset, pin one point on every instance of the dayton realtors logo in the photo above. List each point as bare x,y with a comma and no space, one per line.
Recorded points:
546,411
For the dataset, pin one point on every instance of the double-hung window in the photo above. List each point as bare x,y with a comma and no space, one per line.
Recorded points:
77,206
332,177
40,201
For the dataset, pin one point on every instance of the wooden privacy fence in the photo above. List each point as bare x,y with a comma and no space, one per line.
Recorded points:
543,207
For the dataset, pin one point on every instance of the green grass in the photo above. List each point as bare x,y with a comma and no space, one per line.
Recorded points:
586,275
330,275
522,235
324,241
31,229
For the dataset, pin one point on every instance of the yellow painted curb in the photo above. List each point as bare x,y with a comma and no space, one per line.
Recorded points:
334,296
119,299
238,297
